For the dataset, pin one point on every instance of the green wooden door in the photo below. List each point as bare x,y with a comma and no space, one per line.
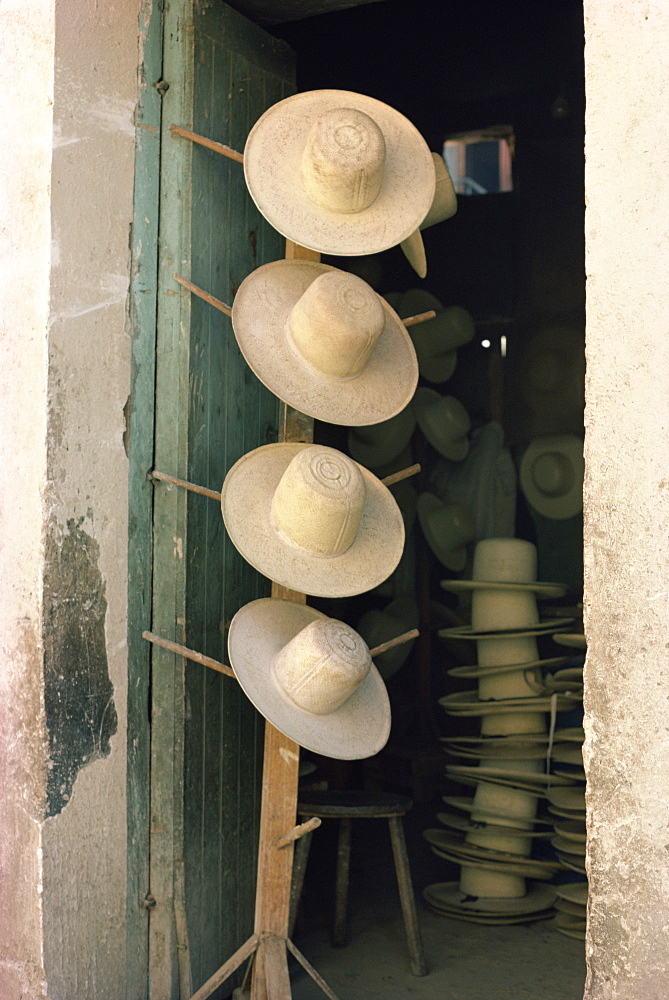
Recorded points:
222,72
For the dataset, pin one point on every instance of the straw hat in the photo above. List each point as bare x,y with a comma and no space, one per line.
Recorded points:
311,676
573,639
575,892
444,205
339,172
311,519
379,625
444,421
479,670
514,803
451,899
505,564
508,863
374,445
531,721
551,475
323,341
436,340
553,369
447,529
465,824
467,632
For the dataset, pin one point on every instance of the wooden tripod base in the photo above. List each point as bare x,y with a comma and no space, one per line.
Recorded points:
268,953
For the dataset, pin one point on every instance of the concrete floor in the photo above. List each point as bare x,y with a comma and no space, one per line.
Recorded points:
465,961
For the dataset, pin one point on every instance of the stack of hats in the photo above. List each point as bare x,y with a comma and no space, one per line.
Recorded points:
506,763
339,173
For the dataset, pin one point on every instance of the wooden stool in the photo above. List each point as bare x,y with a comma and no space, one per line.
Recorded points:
347,806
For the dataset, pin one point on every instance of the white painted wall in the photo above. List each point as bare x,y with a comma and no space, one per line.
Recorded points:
627,498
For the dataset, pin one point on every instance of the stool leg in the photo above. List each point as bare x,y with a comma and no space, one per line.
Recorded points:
341,882
407,898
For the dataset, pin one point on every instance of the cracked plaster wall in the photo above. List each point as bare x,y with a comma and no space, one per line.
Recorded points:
626,500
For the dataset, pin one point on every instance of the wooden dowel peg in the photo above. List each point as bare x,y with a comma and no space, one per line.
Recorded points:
419,318
397,477
202,140
399,640
200,292
193,487
189,654
299,831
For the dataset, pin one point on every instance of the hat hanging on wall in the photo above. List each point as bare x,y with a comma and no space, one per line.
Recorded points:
436,340
553,372
551,475
339,172
378,625
444,421
444,206
374,445
448,528
311,676
324,342
312,519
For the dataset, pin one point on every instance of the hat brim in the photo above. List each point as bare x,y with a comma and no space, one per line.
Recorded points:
540,589
413,249
571,639
564,505
272,167
476,670
358,728
468,703
260,313
467,632
454,449
468,805
445,841
524,868
536,779
246,499
449,897
464,825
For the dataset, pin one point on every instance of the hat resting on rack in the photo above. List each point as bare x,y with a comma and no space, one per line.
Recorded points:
312,519
374,445
444,421
311,676
323,341
444,205
551,475
447,529
436,340
378,625
339,172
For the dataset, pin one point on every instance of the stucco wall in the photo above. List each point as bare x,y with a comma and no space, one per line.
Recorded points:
86,532
26,89
69,86
627,498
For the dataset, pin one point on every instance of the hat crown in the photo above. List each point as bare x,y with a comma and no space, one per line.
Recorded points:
321,666
445,202
505,560
342,161
335,324
318,502
451,328
553,474
452,524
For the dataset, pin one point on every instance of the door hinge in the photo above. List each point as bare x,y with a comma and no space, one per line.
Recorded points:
149,901
162,86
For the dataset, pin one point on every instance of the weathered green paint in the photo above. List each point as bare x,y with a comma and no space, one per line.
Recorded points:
140,444
223,72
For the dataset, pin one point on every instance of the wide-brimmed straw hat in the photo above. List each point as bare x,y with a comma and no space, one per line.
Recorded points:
468,703
444,205
444,421
312,519
324,342
311,676
436,340
551,475
374,445
339,172
505,564
448,528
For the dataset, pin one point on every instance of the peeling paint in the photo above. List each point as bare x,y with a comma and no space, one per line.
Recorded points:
78,694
